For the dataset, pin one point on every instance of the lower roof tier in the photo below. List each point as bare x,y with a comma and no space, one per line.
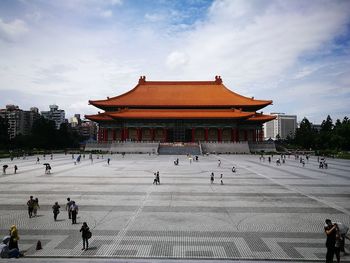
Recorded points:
179,114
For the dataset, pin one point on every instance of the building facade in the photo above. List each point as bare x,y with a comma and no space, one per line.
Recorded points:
19,121
180,111
54,114
283,125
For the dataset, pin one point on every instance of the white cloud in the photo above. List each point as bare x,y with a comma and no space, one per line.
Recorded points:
177,59
13,30
154,17
106,13
260,48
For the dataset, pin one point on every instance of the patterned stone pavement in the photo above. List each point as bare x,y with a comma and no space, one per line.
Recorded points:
261,212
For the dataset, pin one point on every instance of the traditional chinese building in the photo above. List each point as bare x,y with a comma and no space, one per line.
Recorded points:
180,111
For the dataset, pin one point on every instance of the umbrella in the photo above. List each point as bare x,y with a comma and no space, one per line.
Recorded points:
5,166
46,164
343,229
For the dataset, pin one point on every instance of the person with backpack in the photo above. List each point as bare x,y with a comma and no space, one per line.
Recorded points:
85,234
56,210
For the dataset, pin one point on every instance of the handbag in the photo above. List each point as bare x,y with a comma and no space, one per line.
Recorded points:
88,234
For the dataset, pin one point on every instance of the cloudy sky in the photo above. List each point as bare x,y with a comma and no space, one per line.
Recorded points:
69,51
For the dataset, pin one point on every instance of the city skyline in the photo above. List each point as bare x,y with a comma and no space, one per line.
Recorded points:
67,52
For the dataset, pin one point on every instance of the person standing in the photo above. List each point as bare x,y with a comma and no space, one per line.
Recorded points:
108,160
85,232
212,178
15,168
30,205
330,230
74,209
56,210
36,206
68,205
14,237
338,244
221,179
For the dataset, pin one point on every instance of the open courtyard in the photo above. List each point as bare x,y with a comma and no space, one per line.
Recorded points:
260,212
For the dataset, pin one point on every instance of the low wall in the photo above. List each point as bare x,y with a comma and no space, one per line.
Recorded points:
134,147
124,147
225,147
262,146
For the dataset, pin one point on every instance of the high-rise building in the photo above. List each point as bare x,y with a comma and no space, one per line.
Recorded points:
19,121
282,126
54,114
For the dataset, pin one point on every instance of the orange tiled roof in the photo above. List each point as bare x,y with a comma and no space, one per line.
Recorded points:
180,94
99,117
261,117
175,114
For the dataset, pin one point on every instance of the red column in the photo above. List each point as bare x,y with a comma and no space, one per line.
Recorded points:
152,134
100,134
165,131
245,135
126,133
193,135
233,134
105,136
114,134
261,135
139,134
254,135
219,134
206,134
237,135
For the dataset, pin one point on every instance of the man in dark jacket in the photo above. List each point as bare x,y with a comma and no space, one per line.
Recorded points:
330,230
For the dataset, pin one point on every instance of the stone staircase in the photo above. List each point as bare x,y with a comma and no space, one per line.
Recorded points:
179,149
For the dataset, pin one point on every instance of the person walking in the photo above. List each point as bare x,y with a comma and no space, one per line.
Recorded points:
74,209
30,204
85,234
4,167
15,168
14,237
108,160
56,210
36,206
68,205
157,177
212,178
330,230
221,179
219,163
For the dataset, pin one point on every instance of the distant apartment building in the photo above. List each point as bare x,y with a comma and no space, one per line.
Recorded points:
282,126
19,121
85,128
54,114
88,129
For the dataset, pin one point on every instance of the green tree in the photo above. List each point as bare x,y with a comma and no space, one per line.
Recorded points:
325,137
4,136
305,135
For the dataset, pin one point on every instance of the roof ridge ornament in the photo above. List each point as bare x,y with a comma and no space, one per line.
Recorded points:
218,80
142,80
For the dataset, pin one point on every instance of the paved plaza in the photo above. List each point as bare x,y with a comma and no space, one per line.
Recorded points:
261,212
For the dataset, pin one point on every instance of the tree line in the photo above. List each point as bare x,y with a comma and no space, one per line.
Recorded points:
331,136
43,135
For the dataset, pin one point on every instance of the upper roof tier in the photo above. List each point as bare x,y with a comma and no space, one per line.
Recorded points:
180,94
